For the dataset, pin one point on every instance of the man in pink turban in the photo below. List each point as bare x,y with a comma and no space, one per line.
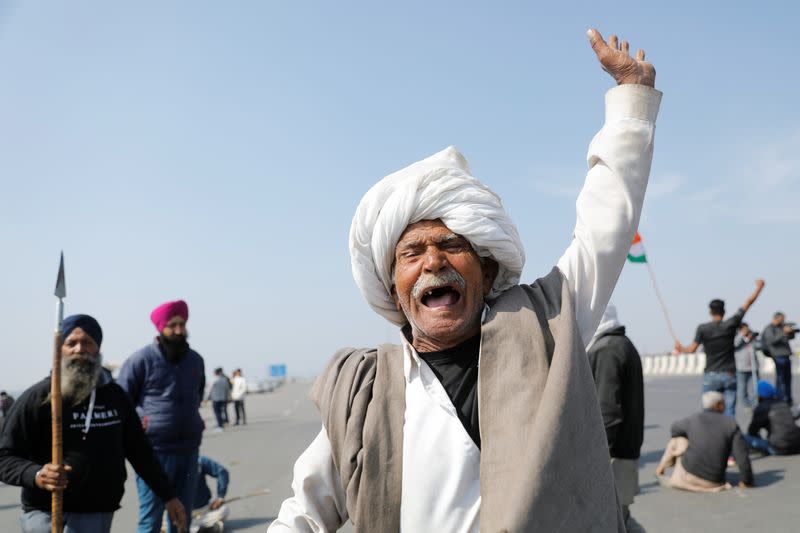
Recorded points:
165,381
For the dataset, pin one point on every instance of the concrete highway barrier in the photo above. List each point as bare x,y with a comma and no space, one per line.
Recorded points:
693,364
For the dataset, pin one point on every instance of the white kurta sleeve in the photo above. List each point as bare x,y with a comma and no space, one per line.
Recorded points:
318,504
610,203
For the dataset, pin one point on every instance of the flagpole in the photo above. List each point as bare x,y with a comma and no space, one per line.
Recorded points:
57,449
661,300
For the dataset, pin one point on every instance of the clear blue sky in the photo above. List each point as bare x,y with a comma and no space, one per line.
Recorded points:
216,152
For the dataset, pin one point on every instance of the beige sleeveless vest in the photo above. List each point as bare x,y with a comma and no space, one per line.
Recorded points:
544,456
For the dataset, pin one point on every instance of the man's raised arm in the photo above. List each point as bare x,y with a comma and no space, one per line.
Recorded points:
753,297
609,206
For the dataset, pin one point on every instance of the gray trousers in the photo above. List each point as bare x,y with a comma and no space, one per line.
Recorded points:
39,522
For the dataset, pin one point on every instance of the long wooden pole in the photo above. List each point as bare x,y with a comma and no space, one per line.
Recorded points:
57,449
661,301
57,498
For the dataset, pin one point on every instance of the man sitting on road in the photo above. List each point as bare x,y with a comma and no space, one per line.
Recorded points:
209,513
700,447
777,418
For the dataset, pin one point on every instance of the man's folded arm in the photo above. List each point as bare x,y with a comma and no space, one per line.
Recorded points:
609,206
319,501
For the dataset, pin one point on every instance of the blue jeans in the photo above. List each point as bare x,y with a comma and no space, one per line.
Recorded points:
758,443
724,382
39,522
783,378
744,388
220,412
181,470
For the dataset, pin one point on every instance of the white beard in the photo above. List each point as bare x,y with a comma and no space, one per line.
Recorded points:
78,380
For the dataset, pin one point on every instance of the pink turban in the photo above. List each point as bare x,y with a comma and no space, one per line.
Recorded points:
164,313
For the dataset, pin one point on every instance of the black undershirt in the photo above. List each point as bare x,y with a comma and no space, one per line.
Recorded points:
457,370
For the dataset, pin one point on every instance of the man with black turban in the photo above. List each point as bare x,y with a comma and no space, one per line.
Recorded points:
100,430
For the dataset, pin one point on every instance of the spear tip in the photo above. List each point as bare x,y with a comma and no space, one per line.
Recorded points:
61,284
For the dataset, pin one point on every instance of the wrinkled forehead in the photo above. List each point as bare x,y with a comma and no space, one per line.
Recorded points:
426,231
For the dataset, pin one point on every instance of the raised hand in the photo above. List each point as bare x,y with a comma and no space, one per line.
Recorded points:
615,60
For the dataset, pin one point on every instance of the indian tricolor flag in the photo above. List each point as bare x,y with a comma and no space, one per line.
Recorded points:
636,253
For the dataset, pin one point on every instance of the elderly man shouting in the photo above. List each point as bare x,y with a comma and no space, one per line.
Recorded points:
486,417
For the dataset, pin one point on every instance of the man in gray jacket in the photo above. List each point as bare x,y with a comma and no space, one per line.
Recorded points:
219,395
776,345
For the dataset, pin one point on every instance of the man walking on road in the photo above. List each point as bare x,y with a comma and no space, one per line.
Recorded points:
100,430
166,381
717,338
238,392
219,395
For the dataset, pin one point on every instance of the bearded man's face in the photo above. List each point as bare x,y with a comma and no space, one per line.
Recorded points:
440,285
81,363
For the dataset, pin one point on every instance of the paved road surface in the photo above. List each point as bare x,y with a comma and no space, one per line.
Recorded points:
260,455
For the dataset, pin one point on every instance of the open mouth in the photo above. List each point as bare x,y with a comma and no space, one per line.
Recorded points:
440,297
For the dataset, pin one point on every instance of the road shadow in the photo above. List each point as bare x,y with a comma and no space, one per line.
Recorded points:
10,506
244,523
646,488
653,456
634,527
761,479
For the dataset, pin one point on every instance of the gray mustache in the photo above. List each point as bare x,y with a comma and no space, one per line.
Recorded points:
427,282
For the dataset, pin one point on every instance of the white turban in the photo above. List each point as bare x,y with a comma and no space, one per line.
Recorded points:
439,187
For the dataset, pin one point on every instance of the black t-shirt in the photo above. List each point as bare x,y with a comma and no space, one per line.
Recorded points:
717,340
457,370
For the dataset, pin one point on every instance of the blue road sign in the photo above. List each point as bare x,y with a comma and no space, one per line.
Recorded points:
277,371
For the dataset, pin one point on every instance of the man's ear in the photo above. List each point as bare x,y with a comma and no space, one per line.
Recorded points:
396,298
490,268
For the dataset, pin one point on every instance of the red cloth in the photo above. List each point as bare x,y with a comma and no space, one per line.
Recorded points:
164,313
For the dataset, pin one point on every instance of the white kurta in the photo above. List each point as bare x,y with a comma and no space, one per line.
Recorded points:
441,464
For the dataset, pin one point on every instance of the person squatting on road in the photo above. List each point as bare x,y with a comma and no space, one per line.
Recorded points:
165,381
100,430
210,513
777,419
700,447
420,436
